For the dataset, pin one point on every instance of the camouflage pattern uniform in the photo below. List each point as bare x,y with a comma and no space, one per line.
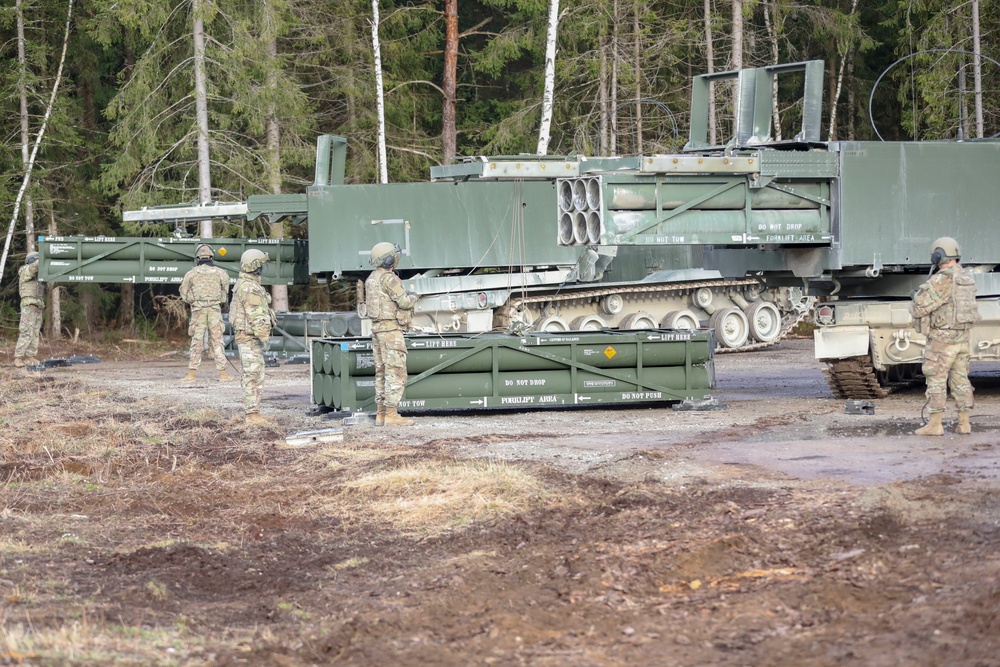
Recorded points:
946,358
32,312
389,306
251,317
205,288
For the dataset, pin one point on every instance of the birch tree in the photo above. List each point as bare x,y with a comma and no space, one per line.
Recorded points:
38,141
189,122
201,116
710,69
550,76
22,89
383,173
845,52
737,35
977,68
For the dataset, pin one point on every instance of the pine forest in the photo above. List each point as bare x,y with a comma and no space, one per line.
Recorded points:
111,105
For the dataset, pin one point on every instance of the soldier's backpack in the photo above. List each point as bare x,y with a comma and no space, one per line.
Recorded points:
964,297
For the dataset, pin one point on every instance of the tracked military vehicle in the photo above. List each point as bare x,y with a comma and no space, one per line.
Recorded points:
848,222
477,247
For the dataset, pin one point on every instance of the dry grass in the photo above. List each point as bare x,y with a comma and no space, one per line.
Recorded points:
91,481
94,477
427,497
87,643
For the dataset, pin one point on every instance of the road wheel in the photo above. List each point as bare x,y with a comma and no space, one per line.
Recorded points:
681,319
765,321
731,327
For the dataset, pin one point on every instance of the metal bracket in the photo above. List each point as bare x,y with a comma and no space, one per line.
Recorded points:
699,405
859,408
307,438
359,418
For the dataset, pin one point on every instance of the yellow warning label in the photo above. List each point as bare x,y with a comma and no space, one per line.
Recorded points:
609,352
222,251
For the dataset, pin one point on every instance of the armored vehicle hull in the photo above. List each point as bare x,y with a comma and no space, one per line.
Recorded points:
849,222
477,247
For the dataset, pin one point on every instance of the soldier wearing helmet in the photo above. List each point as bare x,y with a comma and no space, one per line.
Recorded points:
205,288
389,306
32,312
251,317
945,309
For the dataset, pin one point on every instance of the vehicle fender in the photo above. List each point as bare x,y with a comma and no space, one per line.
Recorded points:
841,342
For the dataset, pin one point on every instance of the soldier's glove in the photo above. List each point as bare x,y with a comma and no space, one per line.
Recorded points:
265,342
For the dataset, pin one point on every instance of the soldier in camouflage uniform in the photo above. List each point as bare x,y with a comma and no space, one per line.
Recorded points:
205,288
389,307
32,312
945,309
251,317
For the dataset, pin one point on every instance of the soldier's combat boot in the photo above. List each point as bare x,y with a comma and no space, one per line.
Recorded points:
257,419
393,418
189,377
224,376
963,427
932,427
18,362
380,415
31,361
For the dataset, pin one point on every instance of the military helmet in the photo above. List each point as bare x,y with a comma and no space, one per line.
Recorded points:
945,249
31,258
204,251
385,254
253,259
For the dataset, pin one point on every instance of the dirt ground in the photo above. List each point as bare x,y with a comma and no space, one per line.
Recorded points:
142,524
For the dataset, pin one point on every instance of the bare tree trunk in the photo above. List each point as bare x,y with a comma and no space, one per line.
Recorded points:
383,170
38,141
963,104
710,58
201,116
771,25
279,293
55,292
22,89
835,99
550,79
449,83
850,102
737,34
637,53
602,92
977,69
614,79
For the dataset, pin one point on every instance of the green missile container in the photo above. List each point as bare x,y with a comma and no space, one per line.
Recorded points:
69,259
527,388
534,371
293,333
609,353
